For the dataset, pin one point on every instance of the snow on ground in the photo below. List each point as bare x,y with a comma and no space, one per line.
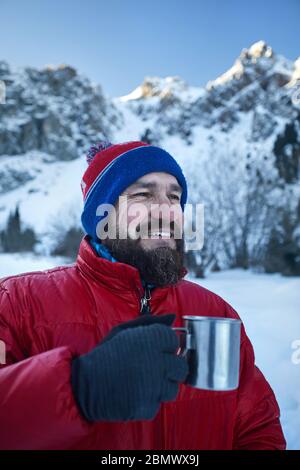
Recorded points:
54,192
17,263
269,307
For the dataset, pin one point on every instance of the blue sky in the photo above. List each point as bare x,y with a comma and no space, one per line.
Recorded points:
117,43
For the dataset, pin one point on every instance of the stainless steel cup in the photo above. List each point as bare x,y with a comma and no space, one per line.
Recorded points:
211,346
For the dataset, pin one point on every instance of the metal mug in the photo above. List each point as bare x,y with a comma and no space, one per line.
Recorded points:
211,346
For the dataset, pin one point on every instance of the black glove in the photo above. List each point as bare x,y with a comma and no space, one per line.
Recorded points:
130,372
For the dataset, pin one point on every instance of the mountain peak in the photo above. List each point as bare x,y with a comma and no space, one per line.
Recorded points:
257,50
256,62
157,86
168,89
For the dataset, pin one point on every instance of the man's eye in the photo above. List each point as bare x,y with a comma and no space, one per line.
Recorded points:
141,194
174,196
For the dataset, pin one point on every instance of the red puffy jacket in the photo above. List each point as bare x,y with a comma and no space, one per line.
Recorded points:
49,317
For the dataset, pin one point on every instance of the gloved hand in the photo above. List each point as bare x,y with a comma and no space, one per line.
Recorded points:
129,374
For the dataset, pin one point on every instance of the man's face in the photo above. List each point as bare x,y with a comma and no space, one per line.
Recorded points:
150,214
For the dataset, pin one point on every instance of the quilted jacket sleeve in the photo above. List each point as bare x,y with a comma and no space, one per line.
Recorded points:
37,408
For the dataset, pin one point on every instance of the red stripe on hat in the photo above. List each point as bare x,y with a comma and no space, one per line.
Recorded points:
102,159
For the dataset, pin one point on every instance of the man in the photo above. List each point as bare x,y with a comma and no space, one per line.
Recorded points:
92,360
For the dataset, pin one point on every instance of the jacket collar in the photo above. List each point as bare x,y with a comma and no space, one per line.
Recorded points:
115,275
104,252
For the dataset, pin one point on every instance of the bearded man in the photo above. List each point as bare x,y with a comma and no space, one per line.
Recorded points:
92,359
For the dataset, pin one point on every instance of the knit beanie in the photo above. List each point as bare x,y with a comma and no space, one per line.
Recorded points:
114,167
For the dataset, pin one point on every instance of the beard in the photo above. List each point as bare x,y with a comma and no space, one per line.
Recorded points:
161,266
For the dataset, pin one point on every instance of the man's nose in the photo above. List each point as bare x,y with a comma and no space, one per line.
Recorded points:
162,198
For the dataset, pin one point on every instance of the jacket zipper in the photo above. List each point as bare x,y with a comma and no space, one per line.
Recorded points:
145,308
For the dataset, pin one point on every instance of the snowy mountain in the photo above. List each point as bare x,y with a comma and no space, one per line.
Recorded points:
237,139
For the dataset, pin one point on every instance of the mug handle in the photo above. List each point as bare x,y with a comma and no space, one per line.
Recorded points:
182,351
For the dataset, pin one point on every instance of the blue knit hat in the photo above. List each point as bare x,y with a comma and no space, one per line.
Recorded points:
114,167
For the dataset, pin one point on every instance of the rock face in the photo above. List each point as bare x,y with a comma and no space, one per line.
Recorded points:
53,110
237,139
